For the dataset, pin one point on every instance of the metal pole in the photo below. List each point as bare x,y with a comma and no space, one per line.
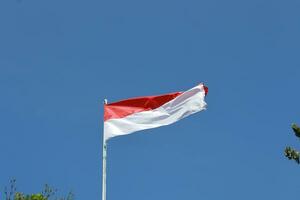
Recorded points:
104,164
104,170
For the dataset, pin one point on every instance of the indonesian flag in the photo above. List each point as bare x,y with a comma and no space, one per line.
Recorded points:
135,114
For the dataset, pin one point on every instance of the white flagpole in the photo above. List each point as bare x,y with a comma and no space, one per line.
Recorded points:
104,170
104,165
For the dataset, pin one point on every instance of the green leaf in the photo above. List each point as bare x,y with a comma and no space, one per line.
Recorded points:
296,130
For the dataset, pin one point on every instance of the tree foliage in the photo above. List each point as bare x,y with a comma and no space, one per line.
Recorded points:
291,153
47,194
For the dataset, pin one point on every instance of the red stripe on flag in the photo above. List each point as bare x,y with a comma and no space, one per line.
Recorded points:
127,107
205,89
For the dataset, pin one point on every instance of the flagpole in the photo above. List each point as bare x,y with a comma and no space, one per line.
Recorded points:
104,156
104,170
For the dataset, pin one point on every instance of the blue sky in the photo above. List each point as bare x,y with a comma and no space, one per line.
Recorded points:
59,59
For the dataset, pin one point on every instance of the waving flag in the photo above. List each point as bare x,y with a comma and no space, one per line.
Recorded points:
131,115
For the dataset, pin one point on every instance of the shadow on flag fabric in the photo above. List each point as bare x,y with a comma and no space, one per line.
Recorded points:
135,114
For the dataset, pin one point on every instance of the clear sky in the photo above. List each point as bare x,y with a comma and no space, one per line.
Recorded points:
60,58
